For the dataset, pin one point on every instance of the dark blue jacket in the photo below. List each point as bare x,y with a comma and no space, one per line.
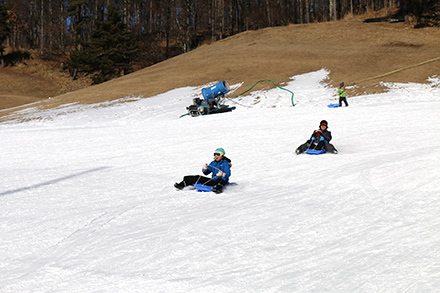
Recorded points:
326,134
215,166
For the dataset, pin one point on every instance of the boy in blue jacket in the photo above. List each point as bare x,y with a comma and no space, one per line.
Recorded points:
220,169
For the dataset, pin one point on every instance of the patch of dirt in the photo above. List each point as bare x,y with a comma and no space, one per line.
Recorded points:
350,49
403,44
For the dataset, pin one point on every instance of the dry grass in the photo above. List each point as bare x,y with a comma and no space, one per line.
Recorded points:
34,80
351,49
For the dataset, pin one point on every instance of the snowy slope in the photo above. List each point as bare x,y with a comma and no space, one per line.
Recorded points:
88,204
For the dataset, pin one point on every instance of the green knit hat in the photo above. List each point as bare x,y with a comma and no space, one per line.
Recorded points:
220,150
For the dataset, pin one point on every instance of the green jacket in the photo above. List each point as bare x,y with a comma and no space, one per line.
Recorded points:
341,92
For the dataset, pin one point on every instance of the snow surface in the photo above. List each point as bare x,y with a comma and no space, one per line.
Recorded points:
88,203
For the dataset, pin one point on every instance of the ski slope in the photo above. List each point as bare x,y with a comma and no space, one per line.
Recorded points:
88,205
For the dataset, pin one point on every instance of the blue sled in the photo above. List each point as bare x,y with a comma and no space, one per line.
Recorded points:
333,106
315,152
205,188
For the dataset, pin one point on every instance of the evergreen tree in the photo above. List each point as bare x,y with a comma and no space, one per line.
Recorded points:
110,52
4,30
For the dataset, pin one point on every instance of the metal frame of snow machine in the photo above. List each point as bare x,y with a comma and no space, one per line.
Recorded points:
208,106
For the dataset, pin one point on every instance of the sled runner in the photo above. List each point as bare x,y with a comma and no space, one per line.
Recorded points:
315,152
205,188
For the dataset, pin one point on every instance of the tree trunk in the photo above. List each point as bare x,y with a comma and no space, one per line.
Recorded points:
269,20
42,26
307,12
213,15
333,10
150,28
222,23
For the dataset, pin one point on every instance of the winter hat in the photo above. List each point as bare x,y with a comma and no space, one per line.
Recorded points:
323,122
342,85
220,150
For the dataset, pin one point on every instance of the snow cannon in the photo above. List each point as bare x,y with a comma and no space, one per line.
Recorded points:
212,102
213,92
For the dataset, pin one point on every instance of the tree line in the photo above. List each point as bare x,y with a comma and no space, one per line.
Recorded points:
154,30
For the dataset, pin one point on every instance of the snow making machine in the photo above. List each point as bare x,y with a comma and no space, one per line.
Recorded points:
212,102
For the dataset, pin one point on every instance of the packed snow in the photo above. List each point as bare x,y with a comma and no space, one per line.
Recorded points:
88,203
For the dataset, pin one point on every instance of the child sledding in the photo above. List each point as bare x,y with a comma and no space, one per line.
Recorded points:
220,169
319,142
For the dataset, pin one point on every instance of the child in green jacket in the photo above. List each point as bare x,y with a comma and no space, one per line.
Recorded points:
342,95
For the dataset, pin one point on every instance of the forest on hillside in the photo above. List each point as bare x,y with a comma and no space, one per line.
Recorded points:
144,32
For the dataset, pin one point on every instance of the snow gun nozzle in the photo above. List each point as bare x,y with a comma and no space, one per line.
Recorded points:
213,92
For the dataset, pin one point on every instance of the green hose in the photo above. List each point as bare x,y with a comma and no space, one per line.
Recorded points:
271,82
252,88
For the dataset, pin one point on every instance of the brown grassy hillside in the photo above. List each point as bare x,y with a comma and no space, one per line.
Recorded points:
351,49
32,79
